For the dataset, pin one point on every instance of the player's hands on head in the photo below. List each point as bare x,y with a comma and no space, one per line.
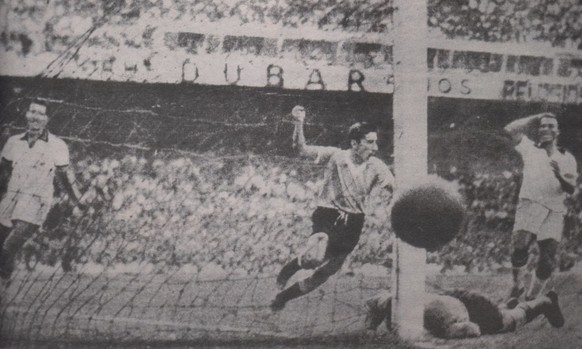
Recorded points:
539,116
298,113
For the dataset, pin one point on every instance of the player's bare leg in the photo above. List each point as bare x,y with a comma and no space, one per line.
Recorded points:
545,267
521,241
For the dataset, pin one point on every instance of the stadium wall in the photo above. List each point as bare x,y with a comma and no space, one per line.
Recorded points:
234,120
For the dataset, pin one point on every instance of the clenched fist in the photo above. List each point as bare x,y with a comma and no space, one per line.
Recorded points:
298,113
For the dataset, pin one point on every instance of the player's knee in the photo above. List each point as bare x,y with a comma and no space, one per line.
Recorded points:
314,254
307,262
519,257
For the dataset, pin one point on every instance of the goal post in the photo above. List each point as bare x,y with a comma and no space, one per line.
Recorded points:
410,156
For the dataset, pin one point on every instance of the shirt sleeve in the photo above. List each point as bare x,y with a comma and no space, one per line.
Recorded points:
525,145
324,153
8,150
61,153
571,167
384,175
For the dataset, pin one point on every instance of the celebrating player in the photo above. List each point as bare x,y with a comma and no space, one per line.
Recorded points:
29,163
464,314
349,178
549,175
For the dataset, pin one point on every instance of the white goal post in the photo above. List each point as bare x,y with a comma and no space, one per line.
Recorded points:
410,156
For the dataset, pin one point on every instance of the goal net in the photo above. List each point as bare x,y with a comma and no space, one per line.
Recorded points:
192,212
196,198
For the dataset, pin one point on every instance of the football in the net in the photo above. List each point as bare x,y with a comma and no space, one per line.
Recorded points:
428,215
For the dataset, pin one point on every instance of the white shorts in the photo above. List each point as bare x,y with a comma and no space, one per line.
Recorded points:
25,207
539,220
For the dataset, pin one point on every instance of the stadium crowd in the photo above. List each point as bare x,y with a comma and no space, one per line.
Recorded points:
249,215
38,25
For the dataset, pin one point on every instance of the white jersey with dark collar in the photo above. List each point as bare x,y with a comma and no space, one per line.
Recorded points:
33,168
539,182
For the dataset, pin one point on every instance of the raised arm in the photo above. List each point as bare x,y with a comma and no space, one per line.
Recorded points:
524,127
299,143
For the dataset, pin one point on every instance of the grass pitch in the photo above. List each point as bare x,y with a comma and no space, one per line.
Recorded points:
71,310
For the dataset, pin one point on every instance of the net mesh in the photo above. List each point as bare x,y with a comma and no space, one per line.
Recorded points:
196,200
190,217
171,306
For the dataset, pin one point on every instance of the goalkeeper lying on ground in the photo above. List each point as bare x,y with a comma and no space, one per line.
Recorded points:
464,314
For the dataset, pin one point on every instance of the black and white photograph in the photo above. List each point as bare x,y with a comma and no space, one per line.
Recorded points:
290,174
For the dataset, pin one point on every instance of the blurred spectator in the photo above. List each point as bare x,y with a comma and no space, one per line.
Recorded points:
552,21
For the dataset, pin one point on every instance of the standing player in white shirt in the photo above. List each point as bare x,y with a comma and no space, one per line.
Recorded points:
349,178
29,163
549,175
